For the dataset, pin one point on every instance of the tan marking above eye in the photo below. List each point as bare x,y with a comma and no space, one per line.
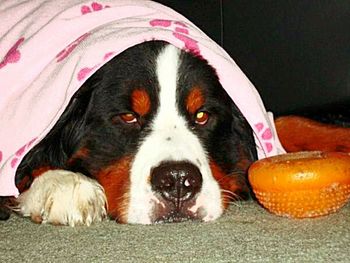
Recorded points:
140,101
201,117
195,100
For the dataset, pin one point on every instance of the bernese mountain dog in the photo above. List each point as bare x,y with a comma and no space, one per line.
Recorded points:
150,137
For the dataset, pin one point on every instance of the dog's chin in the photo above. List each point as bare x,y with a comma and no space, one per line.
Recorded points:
175,217
162,211
169,212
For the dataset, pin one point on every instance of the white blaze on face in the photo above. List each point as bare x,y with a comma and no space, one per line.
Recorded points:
169,139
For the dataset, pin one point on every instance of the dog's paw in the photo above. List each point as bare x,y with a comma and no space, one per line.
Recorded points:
62,197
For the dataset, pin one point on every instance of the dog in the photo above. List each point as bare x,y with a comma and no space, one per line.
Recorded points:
150,137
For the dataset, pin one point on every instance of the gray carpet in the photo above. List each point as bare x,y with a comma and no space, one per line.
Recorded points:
246,233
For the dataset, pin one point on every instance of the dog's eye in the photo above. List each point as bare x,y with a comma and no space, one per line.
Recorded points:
128,117
202,117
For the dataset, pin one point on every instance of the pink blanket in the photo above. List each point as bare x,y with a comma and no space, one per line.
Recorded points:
48,48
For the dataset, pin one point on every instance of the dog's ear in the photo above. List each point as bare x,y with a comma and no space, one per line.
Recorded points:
60,143
246,152
71,125
243,130
89,86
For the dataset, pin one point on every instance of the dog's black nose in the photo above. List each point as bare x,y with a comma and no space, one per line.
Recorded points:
176,181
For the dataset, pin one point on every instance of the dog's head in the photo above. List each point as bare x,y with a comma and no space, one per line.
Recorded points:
160,134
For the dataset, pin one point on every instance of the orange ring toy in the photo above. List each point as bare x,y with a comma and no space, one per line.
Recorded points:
303,184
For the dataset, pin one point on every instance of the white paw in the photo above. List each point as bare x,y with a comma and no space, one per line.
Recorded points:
62,197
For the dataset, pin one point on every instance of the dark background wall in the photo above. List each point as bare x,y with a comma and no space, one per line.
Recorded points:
297,53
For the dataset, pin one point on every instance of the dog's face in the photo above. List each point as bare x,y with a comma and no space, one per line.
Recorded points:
159,133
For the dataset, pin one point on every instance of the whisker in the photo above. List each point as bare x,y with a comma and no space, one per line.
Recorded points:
234,203
231,197
228,193
238,172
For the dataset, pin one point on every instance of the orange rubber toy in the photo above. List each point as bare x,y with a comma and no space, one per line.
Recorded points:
303,184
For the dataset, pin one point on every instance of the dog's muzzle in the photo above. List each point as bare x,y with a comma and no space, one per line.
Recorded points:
177,183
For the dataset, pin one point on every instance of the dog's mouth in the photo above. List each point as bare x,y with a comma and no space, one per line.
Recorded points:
166,212
174,217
